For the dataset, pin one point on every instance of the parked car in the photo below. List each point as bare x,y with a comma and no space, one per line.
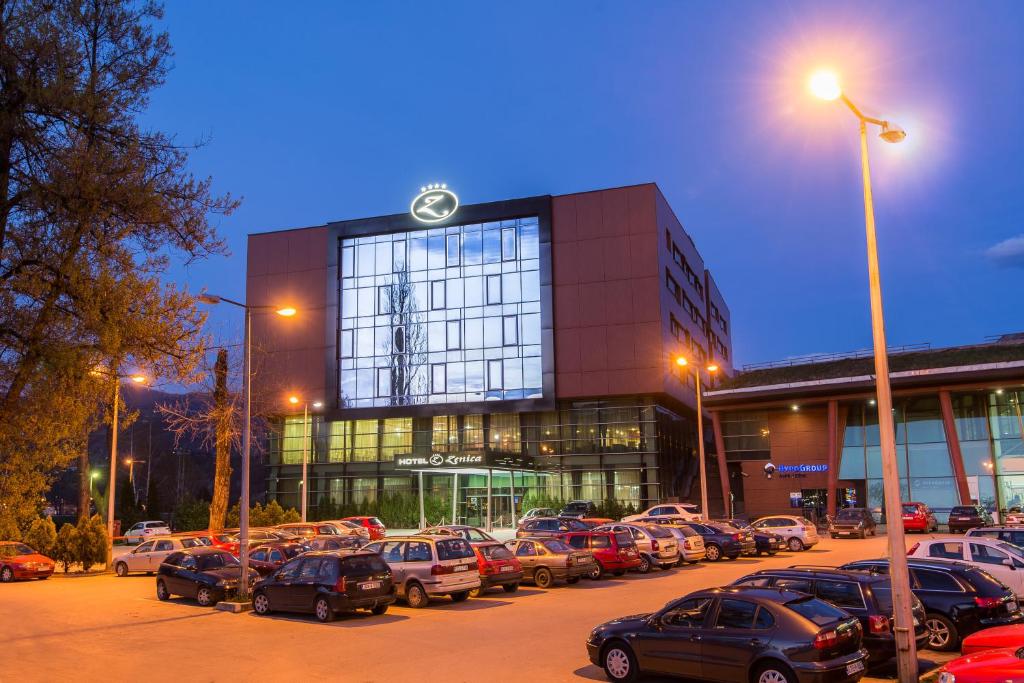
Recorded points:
720,541
374,526
308,529
919,517
326,583
547,561
734,634
1002,560
853,522
862,594
764,541
470,533
336,543
691,544
497,566
1010,534
223,539
202,537
658,546
147,556
614,552
143,530
19,561
579,508
959,599
1003,664
206,574
1013,516
425,567
267,558
799,532
548,526
540,512
992,638
685,511
347,527
964,517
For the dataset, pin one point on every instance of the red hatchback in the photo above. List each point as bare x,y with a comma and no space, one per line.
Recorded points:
18,561
371,524
615,551
919,517
498,567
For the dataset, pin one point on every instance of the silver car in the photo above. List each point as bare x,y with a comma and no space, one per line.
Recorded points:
424,567
691,544
658,547
147,556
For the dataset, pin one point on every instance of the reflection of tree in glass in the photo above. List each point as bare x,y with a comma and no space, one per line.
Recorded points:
406,345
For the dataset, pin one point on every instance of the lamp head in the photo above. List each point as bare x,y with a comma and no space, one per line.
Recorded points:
318,404
892,133
824,84
712,368
138,379
211,299
681,362
294,400
286,312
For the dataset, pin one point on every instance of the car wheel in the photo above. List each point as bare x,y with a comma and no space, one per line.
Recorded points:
942,633
645,564
379,610
415,596
619,662
476,592
204,596
510,587
713,553
6,575
773,553
323,611
596,572
121,568
795,544
161,591
774,673
542,577
461,596
261,603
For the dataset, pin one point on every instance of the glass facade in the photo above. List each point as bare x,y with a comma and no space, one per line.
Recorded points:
443,315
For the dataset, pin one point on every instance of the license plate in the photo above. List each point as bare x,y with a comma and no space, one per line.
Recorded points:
461,567
856,667
505,569
369,585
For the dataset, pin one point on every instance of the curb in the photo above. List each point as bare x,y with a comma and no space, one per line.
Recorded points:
233,607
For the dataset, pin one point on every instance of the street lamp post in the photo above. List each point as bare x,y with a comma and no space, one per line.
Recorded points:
294,400
682,362
825,85
243,513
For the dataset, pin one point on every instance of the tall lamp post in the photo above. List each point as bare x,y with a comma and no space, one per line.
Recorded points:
294,400
825,85
711,369
243,513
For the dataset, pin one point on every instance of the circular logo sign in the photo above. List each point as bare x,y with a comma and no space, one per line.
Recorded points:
434,204
436,459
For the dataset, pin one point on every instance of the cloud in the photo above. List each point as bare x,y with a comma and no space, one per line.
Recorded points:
1009,253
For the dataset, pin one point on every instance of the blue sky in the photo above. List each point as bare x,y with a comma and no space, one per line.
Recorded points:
341,110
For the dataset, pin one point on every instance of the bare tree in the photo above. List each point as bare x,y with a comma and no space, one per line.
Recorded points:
407,343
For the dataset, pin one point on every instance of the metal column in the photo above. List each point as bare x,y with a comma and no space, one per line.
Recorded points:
455,498
512,486
490,516
423,514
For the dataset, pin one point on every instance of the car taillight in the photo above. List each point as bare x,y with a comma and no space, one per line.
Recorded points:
654,544
988,603
439,569
826,639
686,545
737,537
878,623
340,586
913,548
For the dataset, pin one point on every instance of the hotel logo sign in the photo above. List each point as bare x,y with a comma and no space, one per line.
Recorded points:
440,460
434,203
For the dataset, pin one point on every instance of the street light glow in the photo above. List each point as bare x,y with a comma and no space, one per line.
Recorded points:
94,474
286,312
681,362
294,400
824,84
712,368
138,379
318,404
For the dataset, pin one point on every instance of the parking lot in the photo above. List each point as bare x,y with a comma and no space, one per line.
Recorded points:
57,628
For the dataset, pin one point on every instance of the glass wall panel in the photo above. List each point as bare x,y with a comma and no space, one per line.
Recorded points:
592,486
397,438
364,490
364,441
292,440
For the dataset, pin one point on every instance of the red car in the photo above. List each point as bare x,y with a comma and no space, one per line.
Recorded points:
267,558
919,517
371,524
1004,665
498,567
615,551
992,638
18,561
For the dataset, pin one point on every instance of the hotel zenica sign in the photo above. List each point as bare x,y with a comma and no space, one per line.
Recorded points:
440,460
434,203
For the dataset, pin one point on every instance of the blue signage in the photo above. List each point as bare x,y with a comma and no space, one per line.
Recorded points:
800,469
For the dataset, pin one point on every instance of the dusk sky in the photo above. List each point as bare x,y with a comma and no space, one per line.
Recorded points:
331,111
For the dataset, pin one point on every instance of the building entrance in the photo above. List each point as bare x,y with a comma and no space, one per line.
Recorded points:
485,498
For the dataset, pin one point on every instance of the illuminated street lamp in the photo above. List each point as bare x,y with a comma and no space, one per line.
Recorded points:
294,400
825,85
711,368
243,513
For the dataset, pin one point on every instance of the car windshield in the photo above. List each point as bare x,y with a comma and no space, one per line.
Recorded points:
818,611
351,525
216,561
576,507
623,538
658,532
454,549
1012,549
12,549
291,551
361,565
375,522
496,552
476,535
909,509
850,513
963,510
557,546
576,525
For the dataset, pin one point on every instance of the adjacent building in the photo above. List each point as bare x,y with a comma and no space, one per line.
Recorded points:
490,354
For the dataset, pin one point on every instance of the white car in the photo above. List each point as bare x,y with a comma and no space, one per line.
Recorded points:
1002,560
1014,518
147,556
799,532
144,530
687,511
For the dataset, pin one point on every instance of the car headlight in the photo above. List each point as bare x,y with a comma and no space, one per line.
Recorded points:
946,677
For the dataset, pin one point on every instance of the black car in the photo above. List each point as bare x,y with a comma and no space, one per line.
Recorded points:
325,583
206,574
964,517
722,541
958,598
579,508
865,595
549,526
734,634
853,522
764,541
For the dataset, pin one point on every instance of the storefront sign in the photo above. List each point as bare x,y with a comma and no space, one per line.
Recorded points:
440,460
434,204
794,469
